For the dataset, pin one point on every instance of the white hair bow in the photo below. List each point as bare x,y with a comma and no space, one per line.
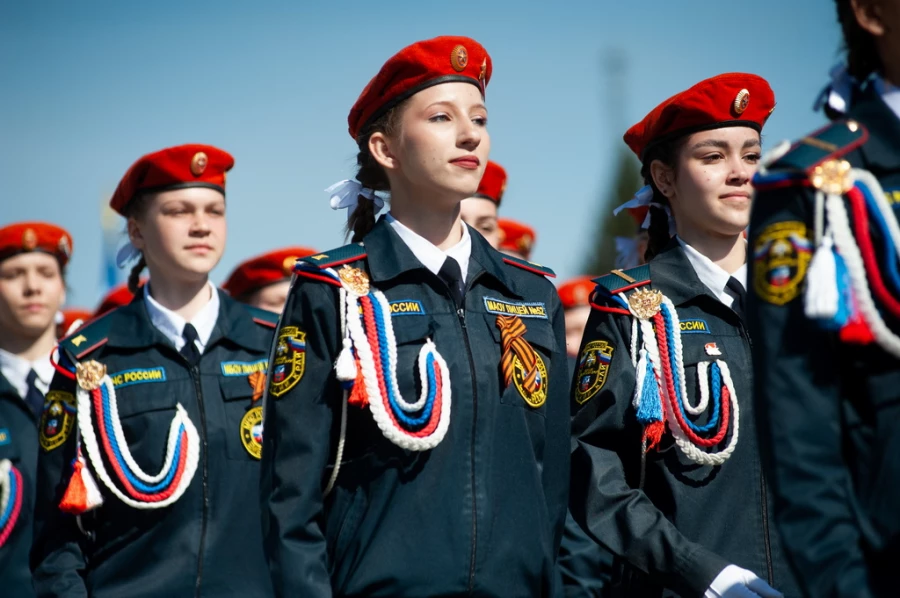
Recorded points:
344,195
838,93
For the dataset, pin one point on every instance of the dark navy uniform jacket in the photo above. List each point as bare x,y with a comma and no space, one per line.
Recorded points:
829,410
19,444
688,521
482,513
209,542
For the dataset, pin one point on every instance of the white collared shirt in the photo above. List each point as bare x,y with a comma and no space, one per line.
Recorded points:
713,275
890,94
172,325
15,369
428,253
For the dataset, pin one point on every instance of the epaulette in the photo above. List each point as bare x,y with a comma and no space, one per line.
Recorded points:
620,281
263,317
831,142
334,257
530,266
89,337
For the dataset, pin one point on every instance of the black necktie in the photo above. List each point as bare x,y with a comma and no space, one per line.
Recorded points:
736,290
190,351
451,274
34,398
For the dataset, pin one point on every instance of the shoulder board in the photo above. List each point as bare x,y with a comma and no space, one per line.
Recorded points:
530,266
831,142
619,281
89,337
263,317
334,257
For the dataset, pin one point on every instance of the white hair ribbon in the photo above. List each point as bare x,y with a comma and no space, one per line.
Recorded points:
642,198
126,253
837,94
344,195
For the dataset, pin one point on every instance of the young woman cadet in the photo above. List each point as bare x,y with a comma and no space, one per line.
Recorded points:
416,425
148,475
826,323
666,469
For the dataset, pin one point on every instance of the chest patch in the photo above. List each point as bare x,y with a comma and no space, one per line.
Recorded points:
696,326
244,368
138,376
5,438
502,307
407,307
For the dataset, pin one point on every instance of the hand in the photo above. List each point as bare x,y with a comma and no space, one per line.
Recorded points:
734,582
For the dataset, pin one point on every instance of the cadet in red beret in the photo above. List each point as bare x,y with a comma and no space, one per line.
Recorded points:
575,295
516,238
117,297
480,210
71,316
666,453
264,281
33,257
416,435
169,386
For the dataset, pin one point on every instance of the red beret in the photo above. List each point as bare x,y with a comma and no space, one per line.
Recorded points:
729,100
515,236
24,237
264,270
70,314
576,292
493,183
117,297
423,64
191,165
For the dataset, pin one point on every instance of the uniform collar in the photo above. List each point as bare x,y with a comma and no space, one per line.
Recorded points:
389,257
881,151
672,273
711,274
130,326
431,256
15,369
172,325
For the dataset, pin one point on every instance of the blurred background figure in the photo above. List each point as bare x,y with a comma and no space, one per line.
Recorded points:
33,258
70,316
117,297
575,295
264,281
480,210
516,239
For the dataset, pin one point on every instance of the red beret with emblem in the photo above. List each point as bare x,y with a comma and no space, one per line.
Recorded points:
515,236
191,165
264,270
416,67
729,100
24,237
117,297
493,183
576,292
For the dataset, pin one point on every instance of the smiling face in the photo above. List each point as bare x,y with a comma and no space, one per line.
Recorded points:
709,186
181,233
32,290
441,147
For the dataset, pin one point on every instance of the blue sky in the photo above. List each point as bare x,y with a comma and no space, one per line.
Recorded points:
88,87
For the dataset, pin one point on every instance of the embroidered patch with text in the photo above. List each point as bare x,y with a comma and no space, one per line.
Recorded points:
244,368
138,376
502,307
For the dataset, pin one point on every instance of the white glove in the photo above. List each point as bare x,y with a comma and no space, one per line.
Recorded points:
734,582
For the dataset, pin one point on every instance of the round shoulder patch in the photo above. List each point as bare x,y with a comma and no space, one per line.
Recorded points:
531,385
592,369
781,255
251,431
58,419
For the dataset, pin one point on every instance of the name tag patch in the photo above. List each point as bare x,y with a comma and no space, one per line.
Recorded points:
138,376
407,307
244,368
695,327
502,307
